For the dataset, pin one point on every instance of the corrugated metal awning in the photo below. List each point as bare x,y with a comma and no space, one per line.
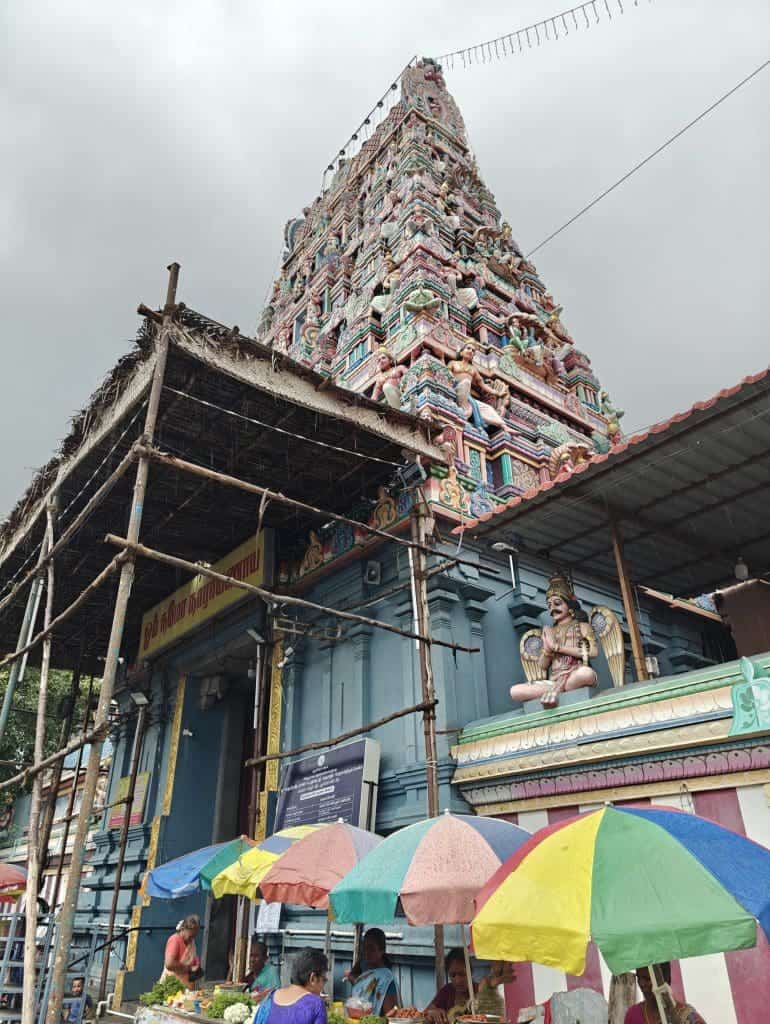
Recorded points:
690,495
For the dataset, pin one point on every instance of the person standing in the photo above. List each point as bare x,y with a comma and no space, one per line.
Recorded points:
181,957
300,1002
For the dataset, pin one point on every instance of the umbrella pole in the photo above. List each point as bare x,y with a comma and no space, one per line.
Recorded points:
328,938
662,997
468,971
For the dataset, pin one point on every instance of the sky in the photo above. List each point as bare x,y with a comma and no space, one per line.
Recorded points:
137,134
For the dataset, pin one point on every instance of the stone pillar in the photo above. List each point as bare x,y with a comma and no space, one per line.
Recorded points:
327,711
358,703
506,469
476,610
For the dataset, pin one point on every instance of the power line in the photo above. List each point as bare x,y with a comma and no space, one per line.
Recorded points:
280,430
647,159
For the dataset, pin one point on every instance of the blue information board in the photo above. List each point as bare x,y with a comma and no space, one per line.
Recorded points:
341,783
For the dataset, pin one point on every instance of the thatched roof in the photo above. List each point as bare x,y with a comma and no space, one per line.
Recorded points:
211,370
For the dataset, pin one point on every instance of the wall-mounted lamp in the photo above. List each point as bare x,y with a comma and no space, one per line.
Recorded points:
507,549
741,570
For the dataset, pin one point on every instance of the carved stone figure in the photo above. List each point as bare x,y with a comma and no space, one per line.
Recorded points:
387,383
568,456
561,659
314,555
606,408
467,377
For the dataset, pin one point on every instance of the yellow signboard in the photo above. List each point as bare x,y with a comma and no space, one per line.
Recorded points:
202,598
137,807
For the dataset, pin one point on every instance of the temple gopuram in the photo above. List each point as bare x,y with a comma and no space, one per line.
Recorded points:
403,282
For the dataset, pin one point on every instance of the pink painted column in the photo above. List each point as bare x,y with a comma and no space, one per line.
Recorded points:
747,969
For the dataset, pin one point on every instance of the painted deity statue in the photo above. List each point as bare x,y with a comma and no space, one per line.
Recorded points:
387,383
566,650
468,376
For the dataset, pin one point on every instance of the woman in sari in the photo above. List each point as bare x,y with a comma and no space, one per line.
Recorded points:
454,998
181,957
300,1002
373,980
647,1012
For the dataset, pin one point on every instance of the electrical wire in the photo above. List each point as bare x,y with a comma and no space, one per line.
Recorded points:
647,159
281,430
9,583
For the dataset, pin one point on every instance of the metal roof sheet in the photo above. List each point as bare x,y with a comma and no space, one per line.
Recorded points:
690,494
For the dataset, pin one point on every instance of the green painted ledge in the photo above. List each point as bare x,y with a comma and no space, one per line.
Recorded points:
667,688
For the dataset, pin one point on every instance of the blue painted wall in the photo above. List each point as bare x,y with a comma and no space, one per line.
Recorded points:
328,688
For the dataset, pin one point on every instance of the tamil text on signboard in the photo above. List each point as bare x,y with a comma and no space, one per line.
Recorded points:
342,783
202,598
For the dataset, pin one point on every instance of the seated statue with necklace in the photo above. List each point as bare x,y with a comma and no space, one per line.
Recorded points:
558,657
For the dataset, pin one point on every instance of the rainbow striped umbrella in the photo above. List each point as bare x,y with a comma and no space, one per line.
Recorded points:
310,869
430,871
647,884
193,872
243,876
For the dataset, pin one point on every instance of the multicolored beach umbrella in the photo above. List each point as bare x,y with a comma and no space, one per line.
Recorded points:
310,869
242,877
647,884
193,872
429,871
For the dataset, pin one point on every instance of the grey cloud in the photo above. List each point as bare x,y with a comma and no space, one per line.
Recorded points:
136,135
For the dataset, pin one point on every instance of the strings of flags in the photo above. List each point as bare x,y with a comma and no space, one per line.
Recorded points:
580,18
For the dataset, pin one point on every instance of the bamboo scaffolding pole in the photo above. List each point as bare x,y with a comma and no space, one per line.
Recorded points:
27,626
72,798
627,594
33,770
262,698
233,481
418,568
67,915
270,596
55,780
350,734
69,611
136,753
29,982
398,587
74,526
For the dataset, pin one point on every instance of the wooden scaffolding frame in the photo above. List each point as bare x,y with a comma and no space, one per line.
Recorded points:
142,454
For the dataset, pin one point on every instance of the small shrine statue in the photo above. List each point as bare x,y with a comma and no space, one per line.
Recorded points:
467,376
614,415
564,652
387,383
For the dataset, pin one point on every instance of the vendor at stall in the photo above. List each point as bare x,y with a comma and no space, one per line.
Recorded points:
181,957
454,998
262,975
372,978
647,1012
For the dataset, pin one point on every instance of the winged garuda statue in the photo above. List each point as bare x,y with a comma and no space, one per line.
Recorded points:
557,658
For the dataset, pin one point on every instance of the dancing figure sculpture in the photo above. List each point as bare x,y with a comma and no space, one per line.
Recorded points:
467,376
